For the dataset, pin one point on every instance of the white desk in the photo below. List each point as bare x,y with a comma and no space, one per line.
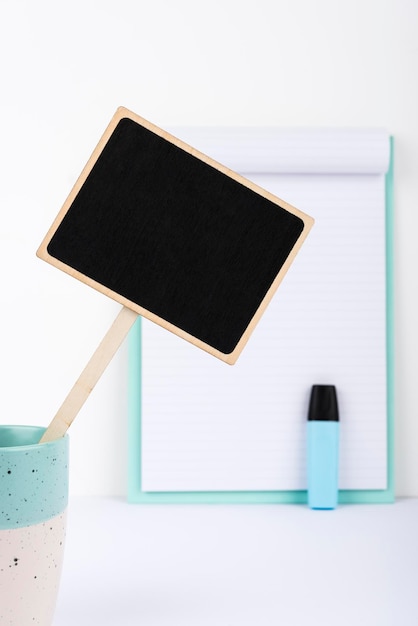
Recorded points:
213,565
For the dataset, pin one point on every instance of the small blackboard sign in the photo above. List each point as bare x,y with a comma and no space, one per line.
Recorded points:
175,236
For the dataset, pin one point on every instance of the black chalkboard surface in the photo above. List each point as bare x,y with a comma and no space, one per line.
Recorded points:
175,236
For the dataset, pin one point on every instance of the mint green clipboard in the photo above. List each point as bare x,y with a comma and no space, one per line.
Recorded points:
135,493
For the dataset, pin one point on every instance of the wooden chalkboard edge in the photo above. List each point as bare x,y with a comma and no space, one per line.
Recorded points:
120,114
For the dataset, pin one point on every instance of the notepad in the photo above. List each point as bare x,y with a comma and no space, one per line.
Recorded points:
206,428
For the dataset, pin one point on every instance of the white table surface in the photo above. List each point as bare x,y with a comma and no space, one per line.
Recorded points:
237,565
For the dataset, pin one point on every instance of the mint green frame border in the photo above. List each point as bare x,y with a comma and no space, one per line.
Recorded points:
135,493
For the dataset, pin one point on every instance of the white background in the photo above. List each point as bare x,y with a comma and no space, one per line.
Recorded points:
66,66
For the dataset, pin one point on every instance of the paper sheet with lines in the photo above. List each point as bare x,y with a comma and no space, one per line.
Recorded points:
207,426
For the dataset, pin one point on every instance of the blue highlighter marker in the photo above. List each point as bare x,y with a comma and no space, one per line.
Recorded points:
323,444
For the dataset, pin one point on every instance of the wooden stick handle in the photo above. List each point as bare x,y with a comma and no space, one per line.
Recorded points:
90,375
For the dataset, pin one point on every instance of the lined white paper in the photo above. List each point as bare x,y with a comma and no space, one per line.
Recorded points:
207,426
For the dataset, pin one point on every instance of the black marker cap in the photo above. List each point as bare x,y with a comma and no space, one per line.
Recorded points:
323,405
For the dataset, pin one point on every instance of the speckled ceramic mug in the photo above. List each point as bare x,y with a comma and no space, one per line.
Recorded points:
33,503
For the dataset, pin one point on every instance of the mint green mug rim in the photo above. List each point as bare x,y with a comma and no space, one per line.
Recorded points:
22,430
